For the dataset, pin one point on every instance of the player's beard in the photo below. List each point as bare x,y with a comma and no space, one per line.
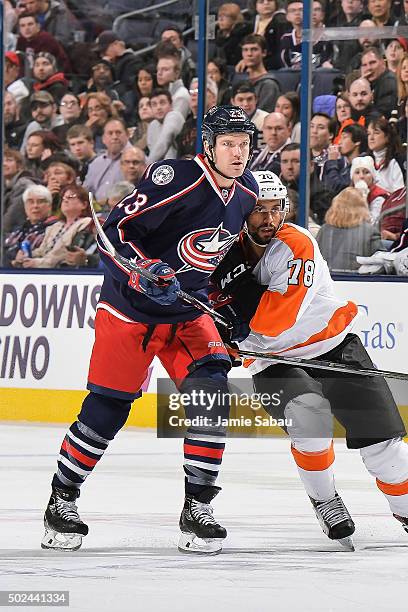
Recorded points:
262,237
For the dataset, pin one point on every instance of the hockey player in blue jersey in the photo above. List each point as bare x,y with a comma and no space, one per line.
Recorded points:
179,223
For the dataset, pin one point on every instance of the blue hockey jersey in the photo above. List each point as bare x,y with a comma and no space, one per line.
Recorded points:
180,215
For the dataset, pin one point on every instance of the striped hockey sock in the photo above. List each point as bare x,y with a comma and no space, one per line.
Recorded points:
202,458
80,452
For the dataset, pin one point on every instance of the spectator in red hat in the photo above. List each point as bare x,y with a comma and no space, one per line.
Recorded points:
394,52
12,67
20,88
31,36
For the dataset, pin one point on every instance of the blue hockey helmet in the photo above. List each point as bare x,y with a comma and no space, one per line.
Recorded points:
226,119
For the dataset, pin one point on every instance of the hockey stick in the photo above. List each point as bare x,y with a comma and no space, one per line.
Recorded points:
131,266
322,365
295,361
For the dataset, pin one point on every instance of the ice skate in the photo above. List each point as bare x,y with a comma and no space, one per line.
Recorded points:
63,527
403,520
335,520
200,531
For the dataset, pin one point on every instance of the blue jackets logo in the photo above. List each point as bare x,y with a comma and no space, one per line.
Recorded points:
203,249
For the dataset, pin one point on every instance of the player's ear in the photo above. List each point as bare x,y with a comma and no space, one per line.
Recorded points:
206,147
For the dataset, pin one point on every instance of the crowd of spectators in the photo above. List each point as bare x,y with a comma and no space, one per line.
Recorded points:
87,109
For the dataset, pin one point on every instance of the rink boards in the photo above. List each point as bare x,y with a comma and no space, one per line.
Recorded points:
46,336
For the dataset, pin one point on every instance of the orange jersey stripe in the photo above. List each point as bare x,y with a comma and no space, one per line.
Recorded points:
341,318
400,488
278,312
314,462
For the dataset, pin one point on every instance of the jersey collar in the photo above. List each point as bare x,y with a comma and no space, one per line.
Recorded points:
199,159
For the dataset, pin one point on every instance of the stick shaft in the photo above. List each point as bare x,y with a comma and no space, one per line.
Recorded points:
323,365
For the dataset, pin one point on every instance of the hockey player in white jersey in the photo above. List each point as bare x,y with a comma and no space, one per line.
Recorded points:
283,290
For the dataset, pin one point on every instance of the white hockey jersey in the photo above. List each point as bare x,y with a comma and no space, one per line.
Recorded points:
299,315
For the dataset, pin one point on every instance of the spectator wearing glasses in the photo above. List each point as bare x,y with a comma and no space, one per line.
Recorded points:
97,110
37,212
70,111
105,169
44,115
32,37
133,164
291,42
74,217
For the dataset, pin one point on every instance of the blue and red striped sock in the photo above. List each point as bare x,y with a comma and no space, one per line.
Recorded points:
80,452
202,459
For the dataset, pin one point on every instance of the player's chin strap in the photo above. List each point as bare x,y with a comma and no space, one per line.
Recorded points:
263,246
214,167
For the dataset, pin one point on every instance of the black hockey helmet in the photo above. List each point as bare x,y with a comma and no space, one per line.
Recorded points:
226,119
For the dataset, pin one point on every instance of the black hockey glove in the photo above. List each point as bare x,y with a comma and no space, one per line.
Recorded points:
233,276
239,328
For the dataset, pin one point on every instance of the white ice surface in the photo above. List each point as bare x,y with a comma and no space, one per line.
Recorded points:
275,558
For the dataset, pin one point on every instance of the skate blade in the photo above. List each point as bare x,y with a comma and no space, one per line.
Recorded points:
191,544
61,541
347,543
